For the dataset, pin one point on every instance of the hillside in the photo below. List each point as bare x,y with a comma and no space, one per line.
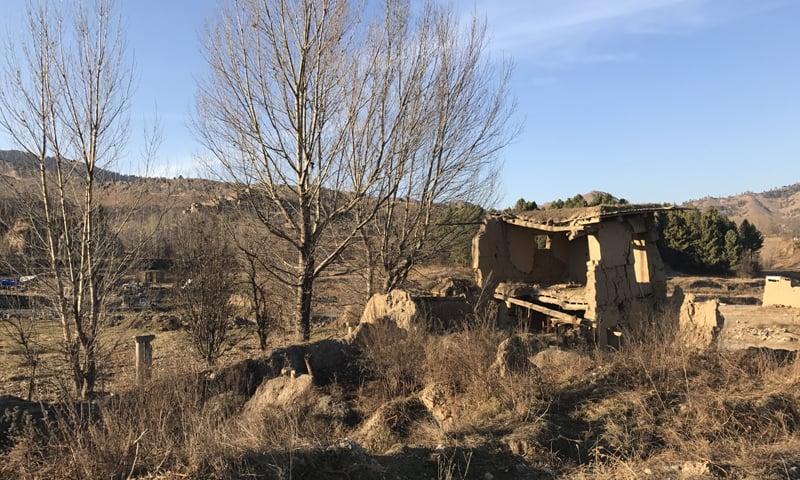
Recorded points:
19,175
21,165
775,212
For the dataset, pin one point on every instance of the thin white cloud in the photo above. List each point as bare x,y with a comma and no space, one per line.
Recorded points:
548,18
558,32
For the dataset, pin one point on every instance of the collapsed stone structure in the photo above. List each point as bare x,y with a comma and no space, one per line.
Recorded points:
407,310
590,270
781,291
596,267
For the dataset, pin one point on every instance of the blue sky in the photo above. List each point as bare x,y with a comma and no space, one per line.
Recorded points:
651,100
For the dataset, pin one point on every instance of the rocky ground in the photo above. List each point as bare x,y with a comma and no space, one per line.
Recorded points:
754,325
747,322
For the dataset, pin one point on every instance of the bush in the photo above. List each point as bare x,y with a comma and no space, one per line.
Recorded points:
205,267
394,358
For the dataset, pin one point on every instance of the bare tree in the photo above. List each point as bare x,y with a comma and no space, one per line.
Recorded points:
279,112
205,263
323,115
64,101
266,312
448,161
266,296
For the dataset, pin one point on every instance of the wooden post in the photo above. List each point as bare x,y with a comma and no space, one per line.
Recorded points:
308,364
144,357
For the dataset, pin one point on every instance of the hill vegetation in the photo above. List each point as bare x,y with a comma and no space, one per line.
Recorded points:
590,199
775,212
20,165
708,242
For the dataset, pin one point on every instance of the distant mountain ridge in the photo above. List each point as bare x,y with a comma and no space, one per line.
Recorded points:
776,211
21,170
17,164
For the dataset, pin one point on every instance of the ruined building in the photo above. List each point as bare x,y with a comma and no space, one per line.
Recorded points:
781,291
596,267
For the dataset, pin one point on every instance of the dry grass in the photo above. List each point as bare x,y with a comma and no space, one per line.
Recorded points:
659,407
653,410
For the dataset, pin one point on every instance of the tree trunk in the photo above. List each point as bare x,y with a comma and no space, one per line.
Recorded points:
89,374
305,291
304,294
371,267
397,274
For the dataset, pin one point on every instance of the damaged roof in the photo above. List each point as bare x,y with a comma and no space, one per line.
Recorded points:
572,219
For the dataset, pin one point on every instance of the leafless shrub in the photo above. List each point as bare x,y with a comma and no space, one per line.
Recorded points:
484,396
462,359
395,358
453,465
259,287
167,426
205,262
24,334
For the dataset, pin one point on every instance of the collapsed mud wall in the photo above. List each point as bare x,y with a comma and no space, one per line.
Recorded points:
625,275
502,252
613,258
696,324
411,311
699,322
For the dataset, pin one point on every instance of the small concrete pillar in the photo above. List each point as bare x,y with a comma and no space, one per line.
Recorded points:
144,357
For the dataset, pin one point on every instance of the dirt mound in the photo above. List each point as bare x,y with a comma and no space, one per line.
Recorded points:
397,305
329,360
281,393
754,359
439,399
513,355
553,357
15,413
391,424
411,311
704,283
